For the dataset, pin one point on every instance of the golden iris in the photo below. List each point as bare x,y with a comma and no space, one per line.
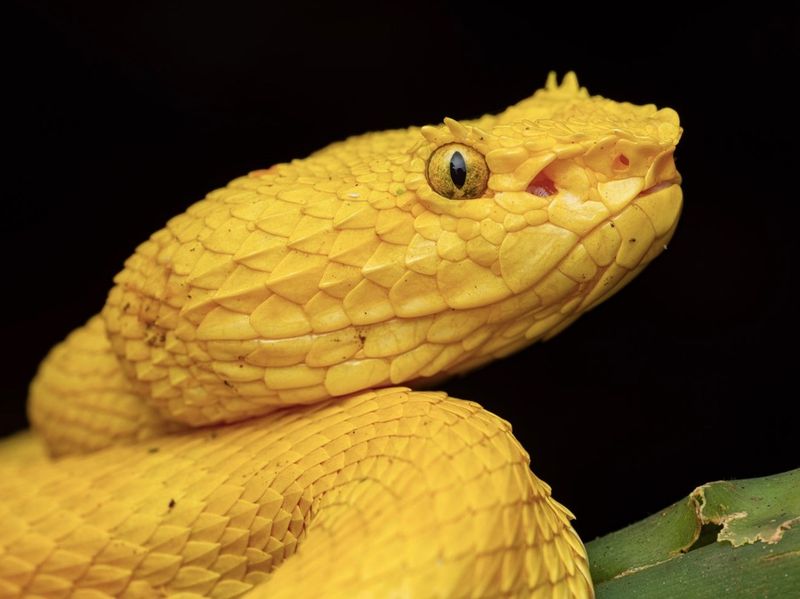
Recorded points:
457,172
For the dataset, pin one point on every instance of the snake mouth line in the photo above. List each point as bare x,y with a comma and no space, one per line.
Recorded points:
543,186
659,186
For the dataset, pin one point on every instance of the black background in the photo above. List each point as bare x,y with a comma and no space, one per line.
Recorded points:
121,117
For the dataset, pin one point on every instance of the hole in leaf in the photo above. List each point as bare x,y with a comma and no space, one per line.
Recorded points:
708,535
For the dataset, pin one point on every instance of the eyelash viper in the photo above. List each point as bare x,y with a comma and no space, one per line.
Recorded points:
234,403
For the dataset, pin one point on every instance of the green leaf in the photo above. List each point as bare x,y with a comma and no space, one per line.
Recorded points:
759,509
726,539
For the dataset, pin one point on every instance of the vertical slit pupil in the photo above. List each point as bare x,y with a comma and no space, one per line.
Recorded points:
458,169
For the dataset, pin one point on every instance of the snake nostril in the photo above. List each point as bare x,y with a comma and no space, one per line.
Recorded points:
542,186
621,163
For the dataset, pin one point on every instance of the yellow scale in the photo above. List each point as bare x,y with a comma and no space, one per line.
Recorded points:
234,404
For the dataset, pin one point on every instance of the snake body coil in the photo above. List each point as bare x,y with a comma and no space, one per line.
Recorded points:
232,408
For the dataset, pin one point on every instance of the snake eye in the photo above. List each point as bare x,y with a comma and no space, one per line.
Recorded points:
457,172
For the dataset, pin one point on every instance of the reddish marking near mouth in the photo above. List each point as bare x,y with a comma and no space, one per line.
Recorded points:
542,186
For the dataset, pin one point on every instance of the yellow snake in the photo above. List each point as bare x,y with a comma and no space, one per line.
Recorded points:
228,424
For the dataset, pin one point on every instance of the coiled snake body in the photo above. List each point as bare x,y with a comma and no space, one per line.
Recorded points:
228,424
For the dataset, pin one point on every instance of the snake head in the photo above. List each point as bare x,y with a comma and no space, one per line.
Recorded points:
395,257
573,196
